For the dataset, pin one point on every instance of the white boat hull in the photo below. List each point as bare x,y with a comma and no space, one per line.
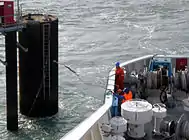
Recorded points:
90,128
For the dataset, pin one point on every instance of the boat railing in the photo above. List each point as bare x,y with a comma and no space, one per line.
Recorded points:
90,125
111,77
87,129
10,26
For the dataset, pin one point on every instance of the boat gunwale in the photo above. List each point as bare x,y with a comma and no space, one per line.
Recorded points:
81,129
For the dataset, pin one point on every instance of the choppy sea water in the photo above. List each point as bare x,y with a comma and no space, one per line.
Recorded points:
93,35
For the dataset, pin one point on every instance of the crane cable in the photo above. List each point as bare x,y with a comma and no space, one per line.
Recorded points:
78,76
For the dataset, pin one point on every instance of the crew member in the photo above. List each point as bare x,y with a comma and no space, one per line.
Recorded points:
115,106
119,77
124,95
120,97
127,94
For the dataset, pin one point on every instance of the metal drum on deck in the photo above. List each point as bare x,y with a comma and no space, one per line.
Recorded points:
118,124
137,111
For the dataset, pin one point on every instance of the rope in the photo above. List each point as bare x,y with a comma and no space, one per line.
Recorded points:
38,92
36,97
70,69
33,104
78,76
90,84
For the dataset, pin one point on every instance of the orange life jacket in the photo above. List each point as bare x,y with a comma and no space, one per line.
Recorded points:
127,96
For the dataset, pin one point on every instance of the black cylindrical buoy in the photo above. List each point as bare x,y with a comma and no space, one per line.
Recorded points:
38,74
11,80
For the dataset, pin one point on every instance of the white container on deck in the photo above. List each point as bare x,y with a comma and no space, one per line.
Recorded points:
137,113
159,112
119,125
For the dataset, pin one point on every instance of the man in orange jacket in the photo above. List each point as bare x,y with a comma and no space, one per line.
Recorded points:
123,95
128,95
119,77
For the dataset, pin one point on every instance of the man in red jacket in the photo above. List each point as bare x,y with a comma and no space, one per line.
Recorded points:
119,77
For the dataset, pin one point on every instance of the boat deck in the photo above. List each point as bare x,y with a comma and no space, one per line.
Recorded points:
91,127
172,113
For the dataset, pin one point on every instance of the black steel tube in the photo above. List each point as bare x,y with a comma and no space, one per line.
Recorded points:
37,70
11,80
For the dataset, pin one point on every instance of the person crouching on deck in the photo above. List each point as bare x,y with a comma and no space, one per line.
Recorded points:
119,77
122,96
128,95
